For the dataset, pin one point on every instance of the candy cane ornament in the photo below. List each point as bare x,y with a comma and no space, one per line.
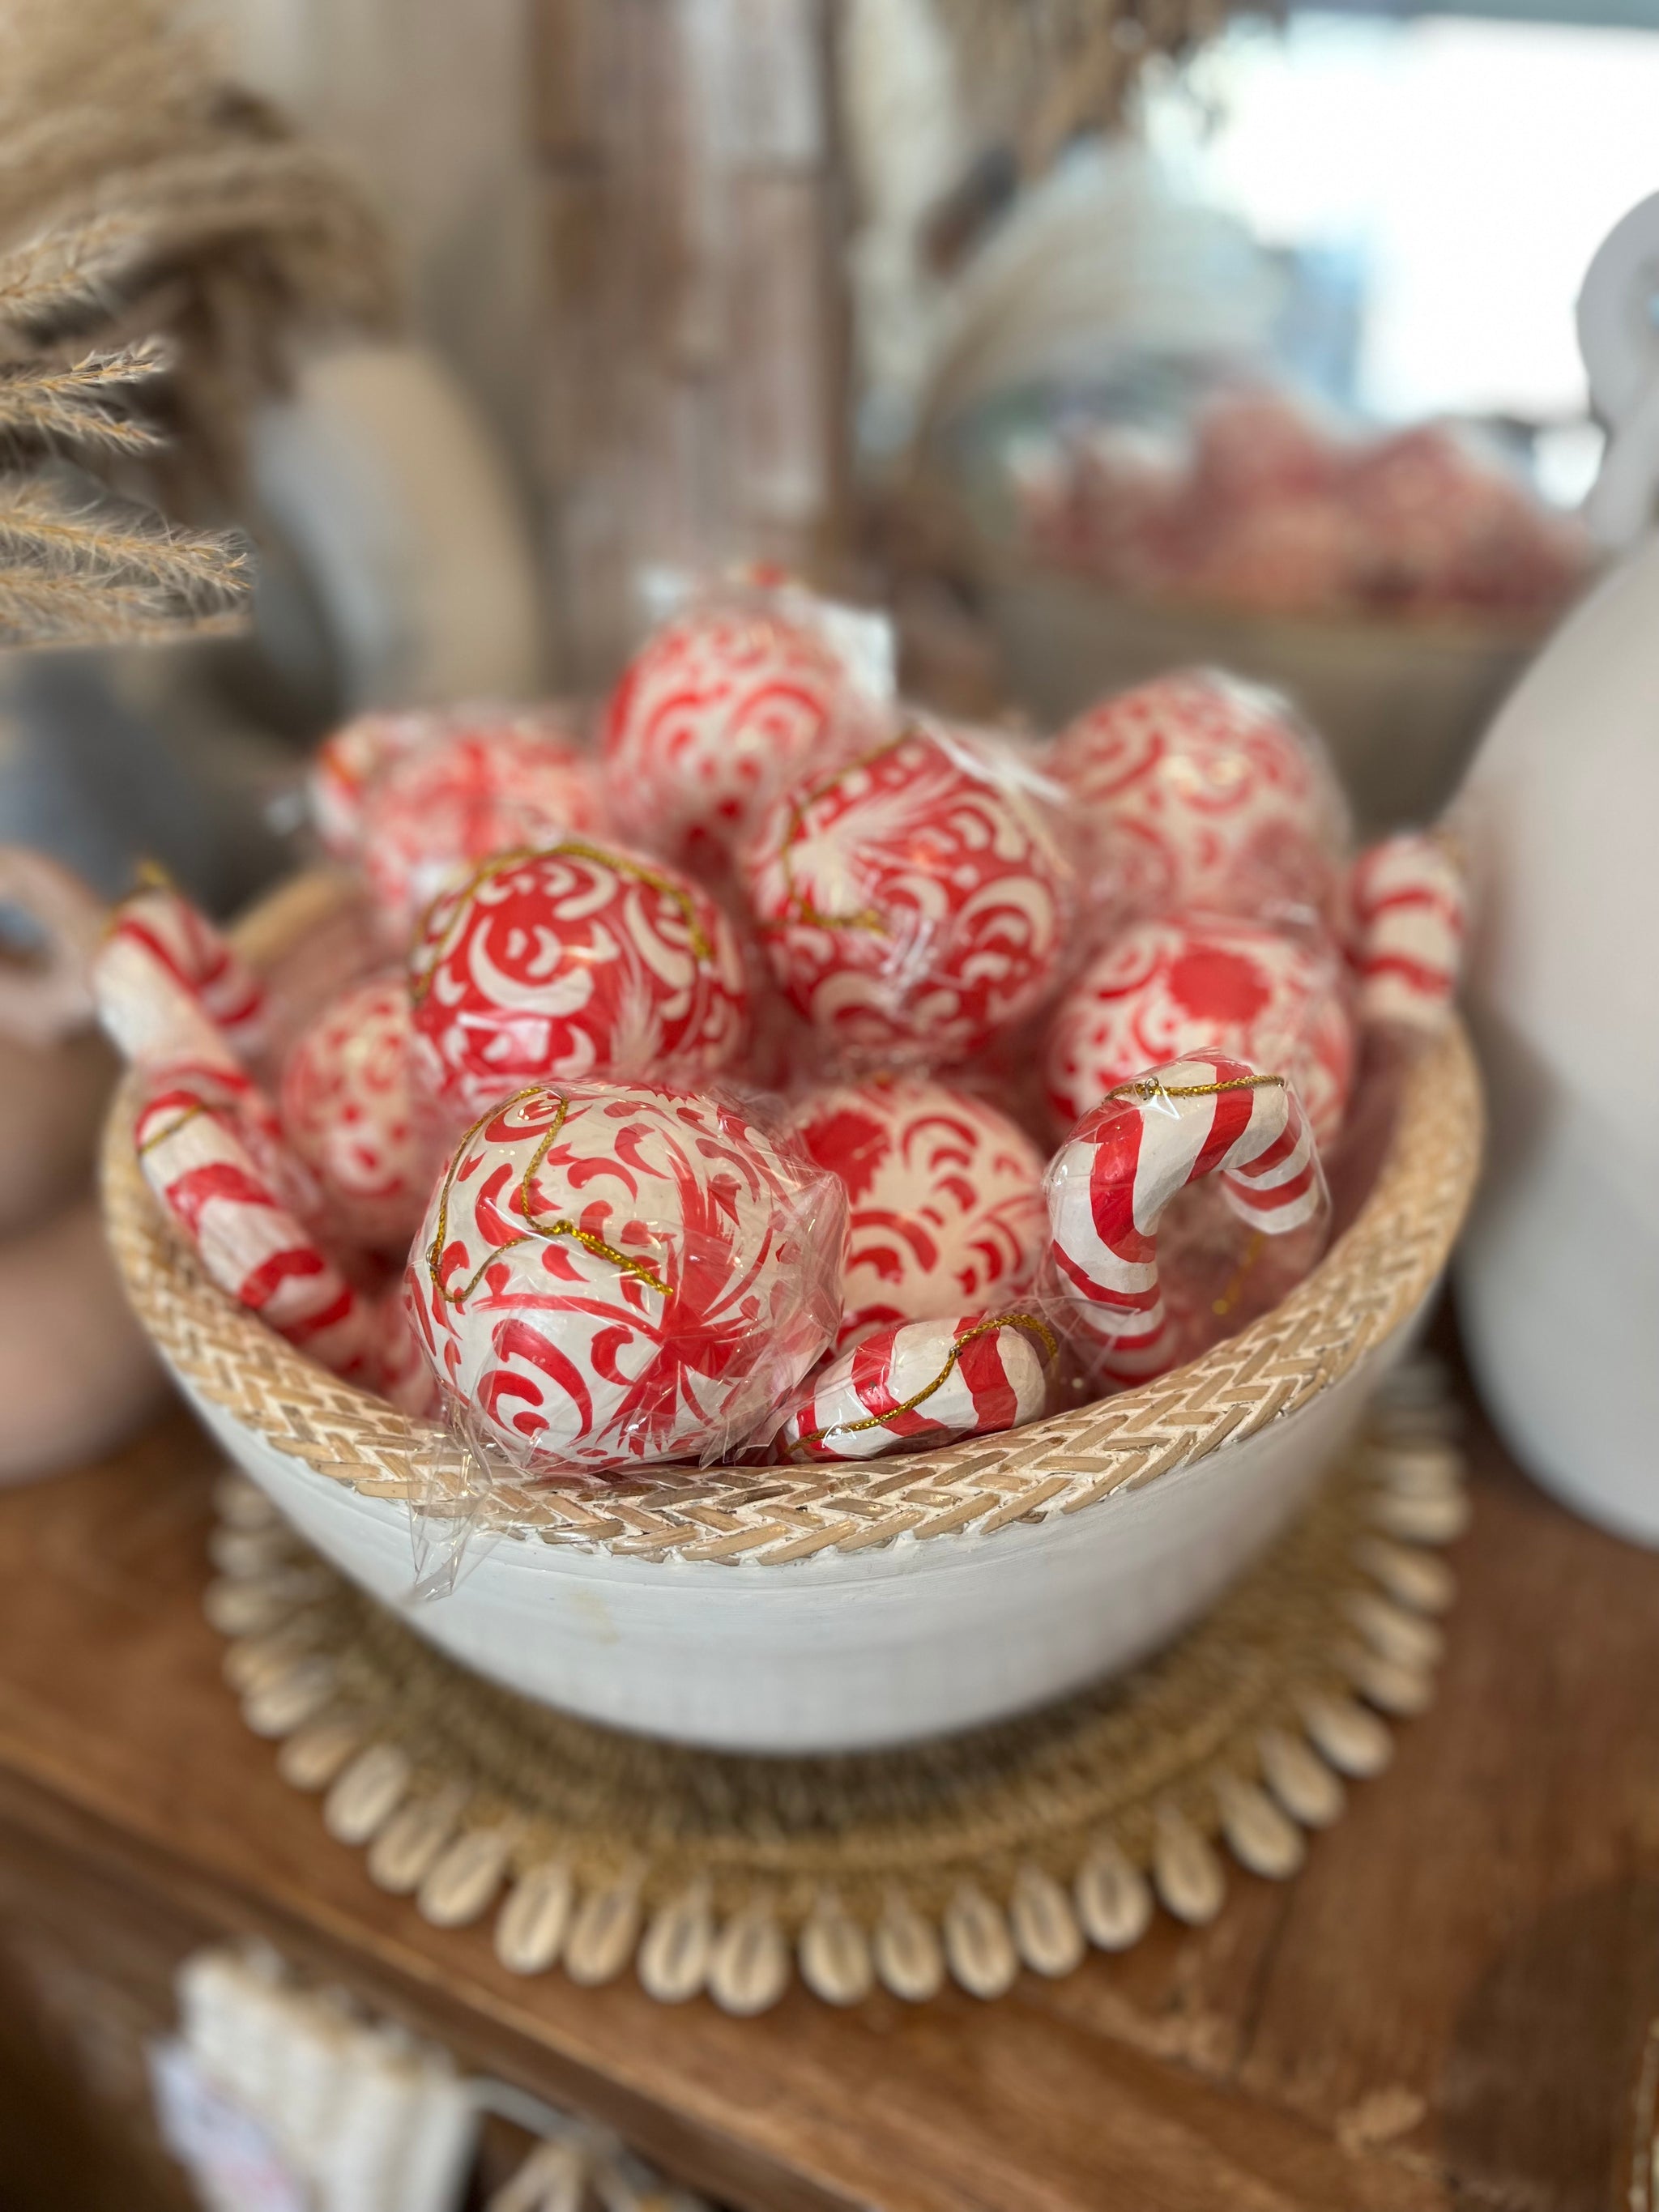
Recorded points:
1407,917
1110,1183
165,977
919,1384
195,1159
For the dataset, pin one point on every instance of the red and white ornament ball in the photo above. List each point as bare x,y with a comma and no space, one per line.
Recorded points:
1195,791
518,783
578,962
610,1277
1171,990
717,710
348,764
947,1211
348,1112
914,902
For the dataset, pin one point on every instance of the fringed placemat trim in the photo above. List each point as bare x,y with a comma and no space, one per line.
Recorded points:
1021,1844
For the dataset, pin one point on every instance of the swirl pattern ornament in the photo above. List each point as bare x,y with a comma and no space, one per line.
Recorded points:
1166,990
914,903
348,764
718,710
946,1197
611,1277
517,784
348,1112
916,1384
1196,791
580,961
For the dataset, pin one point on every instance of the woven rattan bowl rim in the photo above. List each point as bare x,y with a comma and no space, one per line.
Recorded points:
1373,1279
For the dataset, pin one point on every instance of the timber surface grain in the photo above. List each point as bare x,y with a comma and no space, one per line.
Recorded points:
1449,2008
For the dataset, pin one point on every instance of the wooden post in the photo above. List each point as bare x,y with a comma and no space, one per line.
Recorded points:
691,387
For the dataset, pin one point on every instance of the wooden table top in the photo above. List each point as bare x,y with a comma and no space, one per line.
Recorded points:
1454,2004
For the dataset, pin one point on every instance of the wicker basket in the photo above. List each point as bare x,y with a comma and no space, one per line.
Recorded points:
923,1593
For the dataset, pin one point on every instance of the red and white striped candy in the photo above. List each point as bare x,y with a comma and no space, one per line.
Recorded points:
914,902
196,1158
1110,1182
580,962
1407,917
348,1112
1196,791
919,1384
163,961
946,1197
1165,990
612,1276
517,783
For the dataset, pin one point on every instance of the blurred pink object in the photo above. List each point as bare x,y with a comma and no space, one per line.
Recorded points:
1270,510
484,787
1196,791
348,1111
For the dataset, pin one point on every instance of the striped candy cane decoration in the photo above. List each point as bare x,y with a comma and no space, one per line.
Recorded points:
922,1382
1109,1185
1408,917
195,1159
163,962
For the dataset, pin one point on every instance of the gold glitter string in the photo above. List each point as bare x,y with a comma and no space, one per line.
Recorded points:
1029,1322
534,1229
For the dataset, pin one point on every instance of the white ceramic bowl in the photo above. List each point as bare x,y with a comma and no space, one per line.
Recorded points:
800,1609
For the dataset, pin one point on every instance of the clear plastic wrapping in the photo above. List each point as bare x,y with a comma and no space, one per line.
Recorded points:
1198,792
1405,922
349,1112
737,690
1276,996
916,898
580,961
611,1277
945,1197
912,1386
1146,1271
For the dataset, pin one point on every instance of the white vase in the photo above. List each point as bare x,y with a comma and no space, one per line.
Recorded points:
1558,1276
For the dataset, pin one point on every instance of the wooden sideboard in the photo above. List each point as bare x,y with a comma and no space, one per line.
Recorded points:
1456,2005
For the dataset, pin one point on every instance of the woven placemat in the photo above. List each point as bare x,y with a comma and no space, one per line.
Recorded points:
1020,1842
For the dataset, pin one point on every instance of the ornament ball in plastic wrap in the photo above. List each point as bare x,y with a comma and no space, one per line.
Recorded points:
348,1112
916,900
610,1277
1196,791
1165,990
581,961
947,1196
514,783
717,710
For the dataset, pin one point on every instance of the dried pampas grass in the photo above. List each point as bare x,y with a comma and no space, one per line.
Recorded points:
141,193
1048,68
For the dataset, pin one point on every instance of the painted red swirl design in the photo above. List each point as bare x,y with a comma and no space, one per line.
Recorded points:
612,1277
1167,990
1196,791
714,713
578,961
946,1196
348,1112
914,903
